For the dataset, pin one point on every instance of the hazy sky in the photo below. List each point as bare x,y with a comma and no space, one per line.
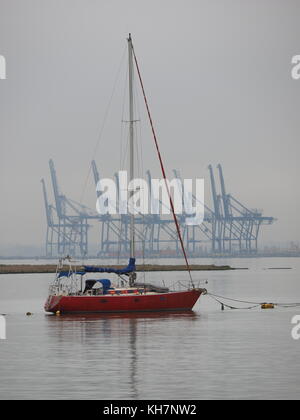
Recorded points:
218,77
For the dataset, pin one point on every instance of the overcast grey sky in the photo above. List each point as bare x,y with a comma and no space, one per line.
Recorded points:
218,77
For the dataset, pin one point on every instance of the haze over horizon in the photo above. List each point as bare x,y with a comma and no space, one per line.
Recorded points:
218,78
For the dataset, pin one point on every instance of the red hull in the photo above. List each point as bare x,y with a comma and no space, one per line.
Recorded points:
172,301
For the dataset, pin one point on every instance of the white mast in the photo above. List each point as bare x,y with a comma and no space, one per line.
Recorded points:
131,147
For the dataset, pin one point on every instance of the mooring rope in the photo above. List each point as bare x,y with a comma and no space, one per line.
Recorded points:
224,305
218,298
234,300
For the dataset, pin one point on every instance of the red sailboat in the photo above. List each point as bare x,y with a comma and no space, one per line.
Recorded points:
70,293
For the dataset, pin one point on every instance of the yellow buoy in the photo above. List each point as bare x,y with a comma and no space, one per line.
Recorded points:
267,306
57,313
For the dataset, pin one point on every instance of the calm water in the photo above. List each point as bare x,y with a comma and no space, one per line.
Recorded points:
204,354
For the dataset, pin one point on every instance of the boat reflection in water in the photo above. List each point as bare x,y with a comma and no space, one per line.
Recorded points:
109,350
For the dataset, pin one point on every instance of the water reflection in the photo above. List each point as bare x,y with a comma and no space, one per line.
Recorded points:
124,315
98,337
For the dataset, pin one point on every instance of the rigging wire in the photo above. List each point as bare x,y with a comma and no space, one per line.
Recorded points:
123,118
141,169
138,156
122,157
163,169
103,124
125,147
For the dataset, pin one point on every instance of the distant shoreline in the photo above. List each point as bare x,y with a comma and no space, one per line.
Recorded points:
51,268
173,257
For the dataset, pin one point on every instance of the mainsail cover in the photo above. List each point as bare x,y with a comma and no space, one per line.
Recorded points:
126,270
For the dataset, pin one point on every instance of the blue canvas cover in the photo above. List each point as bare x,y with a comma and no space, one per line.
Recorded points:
69,273
126,270
106,283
